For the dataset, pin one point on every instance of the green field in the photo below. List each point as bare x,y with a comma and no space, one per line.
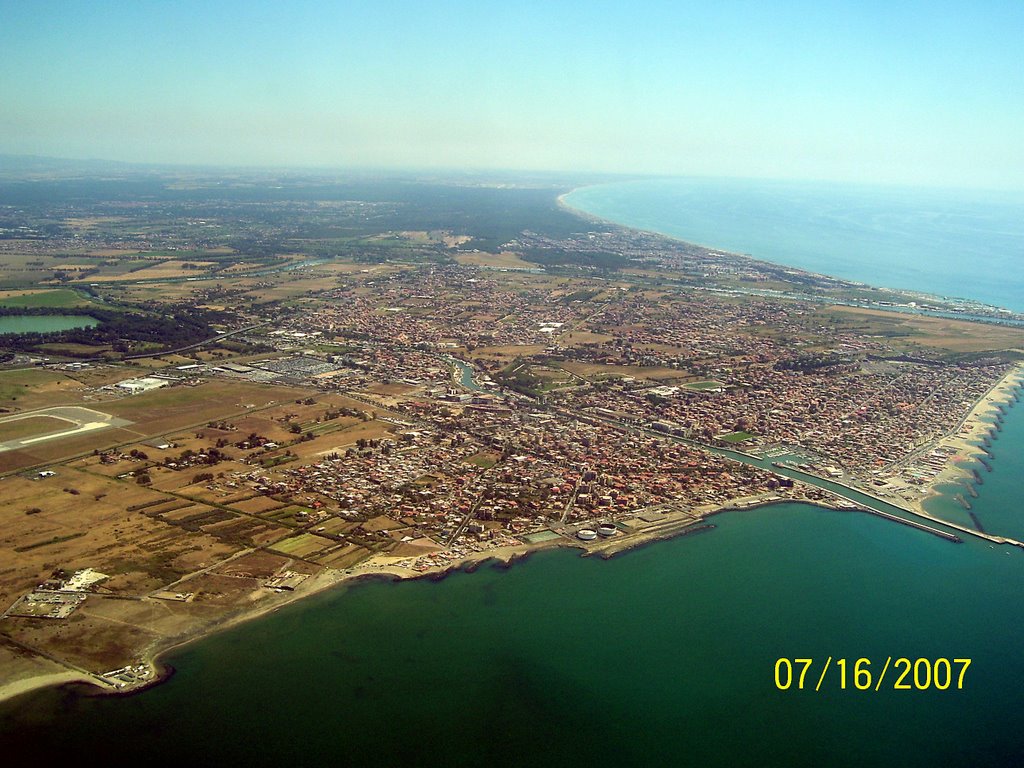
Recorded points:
704,385
483,460
19,384
61,297
284,515
736,437
302,545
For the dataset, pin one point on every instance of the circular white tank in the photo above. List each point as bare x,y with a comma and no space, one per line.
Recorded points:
607,529
586,534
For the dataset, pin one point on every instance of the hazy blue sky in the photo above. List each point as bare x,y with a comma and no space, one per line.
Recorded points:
918,92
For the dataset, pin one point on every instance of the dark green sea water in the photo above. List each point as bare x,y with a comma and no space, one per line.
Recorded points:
664,655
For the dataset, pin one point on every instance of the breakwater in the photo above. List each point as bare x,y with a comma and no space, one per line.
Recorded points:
919,526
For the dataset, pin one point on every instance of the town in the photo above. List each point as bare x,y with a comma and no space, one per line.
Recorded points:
348,394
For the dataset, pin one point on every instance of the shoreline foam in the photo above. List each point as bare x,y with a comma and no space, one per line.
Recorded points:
974,428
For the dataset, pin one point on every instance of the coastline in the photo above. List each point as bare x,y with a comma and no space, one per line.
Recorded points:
947,302
595,219
12,689
972,428
386,568
152,655
710,249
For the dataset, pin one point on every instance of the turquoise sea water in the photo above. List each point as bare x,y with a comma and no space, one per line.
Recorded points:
959,244
1000,503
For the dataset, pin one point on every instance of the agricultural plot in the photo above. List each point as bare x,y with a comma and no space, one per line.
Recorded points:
336,526
76,520
911,331
303,545
43,298
246,531
257,565
258,505
287,515
342,439
344,557
172,408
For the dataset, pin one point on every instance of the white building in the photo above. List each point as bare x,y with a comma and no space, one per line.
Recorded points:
146,383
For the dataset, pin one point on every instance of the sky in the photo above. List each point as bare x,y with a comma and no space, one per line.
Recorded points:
924,93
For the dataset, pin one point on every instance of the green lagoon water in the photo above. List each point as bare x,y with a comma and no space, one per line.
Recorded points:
662,655
44,323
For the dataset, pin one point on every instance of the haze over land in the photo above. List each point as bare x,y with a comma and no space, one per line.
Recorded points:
276,317
914,93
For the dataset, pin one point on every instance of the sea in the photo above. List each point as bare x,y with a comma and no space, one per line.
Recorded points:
966,244
668,654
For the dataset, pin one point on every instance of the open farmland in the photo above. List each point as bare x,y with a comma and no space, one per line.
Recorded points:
912,331
38,387
170,408
76,520
61,297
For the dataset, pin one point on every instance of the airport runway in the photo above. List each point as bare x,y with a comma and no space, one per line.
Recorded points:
80,421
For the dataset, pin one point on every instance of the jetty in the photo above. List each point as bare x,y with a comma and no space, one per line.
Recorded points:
914,524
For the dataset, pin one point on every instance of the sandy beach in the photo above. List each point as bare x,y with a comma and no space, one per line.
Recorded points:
19,686
25,673
972,430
